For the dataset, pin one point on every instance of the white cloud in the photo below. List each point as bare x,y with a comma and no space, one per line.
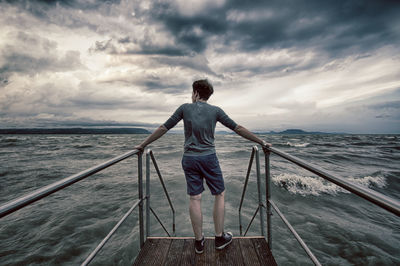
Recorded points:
254,15
193,7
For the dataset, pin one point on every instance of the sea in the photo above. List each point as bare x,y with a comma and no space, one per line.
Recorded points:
64,228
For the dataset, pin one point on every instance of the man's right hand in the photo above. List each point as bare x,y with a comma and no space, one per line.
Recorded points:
265,145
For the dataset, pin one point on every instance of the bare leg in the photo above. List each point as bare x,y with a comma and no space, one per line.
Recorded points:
219,213
196,216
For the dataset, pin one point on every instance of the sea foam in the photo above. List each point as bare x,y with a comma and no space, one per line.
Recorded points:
298,145
307,185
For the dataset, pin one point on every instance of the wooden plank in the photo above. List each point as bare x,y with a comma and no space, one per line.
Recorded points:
188,254
163,250
249,255
209,249
153,252
263,252
143,252
252,251
175,252
230,255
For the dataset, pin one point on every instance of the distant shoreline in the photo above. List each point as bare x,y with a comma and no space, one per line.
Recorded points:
70,131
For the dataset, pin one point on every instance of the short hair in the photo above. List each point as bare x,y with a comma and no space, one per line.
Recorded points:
204,88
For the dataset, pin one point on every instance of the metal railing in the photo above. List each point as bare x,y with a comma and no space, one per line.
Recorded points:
150,157
372,196
385,202
38,194
255,153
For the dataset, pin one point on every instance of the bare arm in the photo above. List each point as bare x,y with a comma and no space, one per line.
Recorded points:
158,133
245,133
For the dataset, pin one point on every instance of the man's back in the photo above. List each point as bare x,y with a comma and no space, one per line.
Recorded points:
199,119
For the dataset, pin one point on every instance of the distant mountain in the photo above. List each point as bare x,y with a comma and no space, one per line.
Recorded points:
300,131
74,131
295,131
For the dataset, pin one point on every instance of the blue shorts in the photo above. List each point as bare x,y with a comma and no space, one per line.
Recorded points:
206,167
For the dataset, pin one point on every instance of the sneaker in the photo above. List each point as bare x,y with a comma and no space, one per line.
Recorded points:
199,246
222,241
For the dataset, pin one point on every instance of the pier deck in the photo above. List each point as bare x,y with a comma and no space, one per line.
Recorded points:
180,251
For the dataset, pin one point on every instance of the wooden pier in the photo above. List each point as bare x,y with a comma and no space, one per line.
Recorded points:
180,251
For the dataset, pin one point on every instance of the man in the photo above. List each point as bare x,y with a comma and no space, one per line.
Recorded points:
199,160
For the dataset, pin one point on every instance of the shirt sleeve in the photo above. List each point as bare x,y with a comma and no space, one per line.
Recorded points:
224,119
175,118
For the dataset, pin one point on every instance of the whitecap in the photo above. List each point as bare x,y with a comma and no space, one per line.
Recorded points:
298,145
306,185
370,181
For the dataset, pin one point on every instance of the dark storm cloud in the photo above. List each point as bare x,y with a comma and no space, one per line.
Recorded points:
29,54
100,123
184,28
336,28
106,103
67,120
386,110
387,105
151,83
104,46
328,29
71,14
198,63
144,47
43,8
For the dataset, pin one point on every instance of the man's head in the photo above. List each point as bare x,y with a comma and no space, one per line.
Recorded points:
203,88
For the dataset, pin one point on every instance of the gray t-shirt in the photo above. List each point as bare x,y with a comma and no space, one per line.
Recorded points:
199,120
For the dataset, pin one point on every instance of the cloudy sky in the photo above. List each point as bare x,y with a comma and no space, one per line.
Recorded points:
310,64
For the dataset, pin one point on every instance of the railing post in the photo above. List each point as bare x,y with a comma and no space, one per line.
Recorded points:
148,193
268,196
140,188
260,201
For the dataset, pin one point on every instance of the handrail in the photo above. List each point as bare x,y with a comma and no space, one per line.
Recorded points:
104,241
269,203
303,245
38,194
150,156
377,198
255,153
385,202
246,180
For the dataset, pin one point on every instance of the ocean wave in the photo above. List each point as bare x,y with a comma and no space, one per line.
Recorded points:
83,146
9,144
298,145
330,145
9,140
306,185
363,143
3,173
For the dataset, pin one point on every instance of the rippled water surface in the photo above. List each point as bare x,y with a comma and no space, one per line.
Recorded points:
340,228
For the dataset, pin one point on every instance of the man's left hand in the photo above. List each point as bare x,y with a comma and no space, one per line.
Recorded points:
139,147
